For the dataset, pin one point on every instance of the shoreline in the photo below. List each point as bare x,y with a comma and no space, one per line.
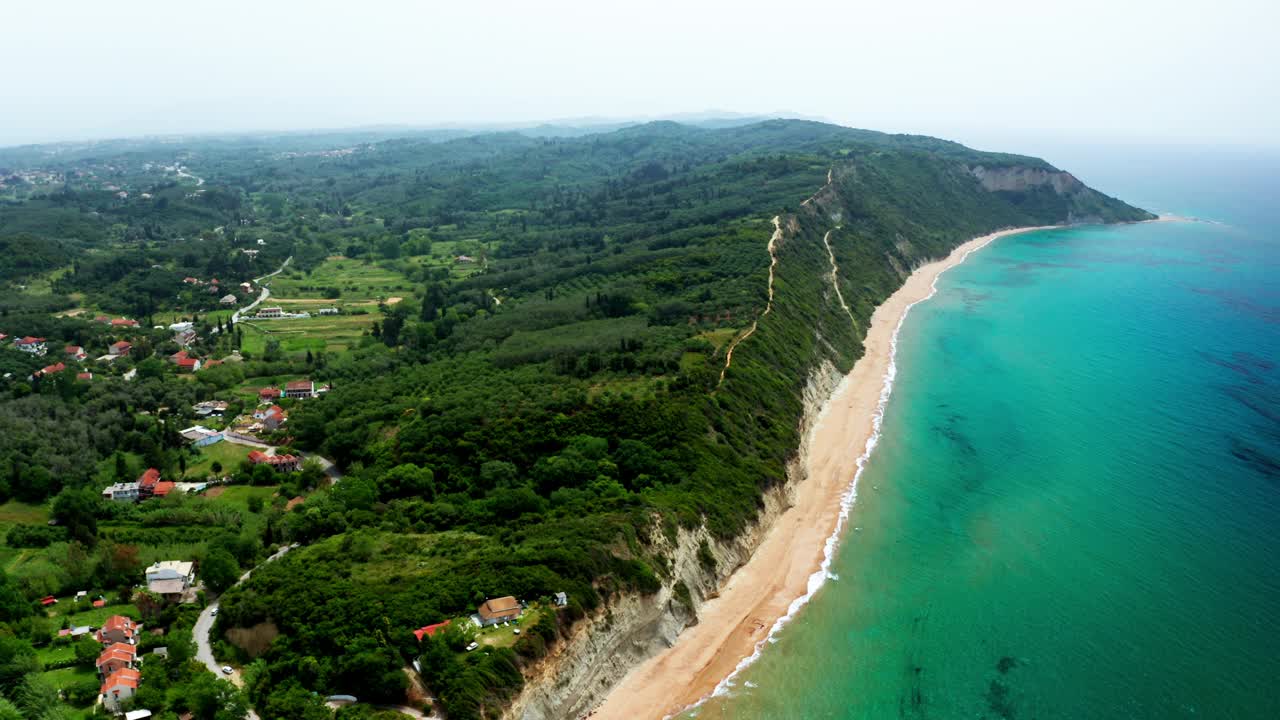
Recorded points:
792,561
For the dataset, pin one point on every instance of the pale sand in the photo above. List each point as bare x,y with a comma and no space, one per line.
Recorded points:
732,626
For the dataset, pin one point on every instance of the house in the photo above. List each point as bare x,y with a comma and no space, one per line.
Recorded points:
170,578
180,326
228,299
33,345
188,364
103,319
124,322
120,349
84,376
100,603
122,492
282,463
561,599
116,656
268,394
48,600
328,311
178,357
299,389
464,259
75,352
271,417
246,287
191,281
185,337
117,629
53,369
75,632
271,312
118,687
497,610
430,630
209,407
200,436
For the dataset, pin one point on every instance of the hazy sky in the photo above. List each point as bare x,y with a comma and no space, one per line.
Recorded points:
1152,69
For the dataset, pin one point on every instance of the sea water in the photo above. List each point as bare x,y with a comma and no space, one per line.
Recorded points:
1074,507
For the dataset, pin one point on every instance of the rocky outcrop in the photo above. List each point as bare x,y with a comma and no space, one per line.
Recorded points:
1022,178
603,647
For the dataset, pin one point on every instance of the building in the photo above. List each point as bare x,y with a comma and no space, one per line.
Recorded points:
124,323
188,364
328,311
430,630
178,356
246,288
200,436
117,629
147,482
84,376
497,610
227,299
118,687
185,337
300,389
75,352
271,312
271,417
120,349
53,369
561,599
33,345
122,492
282,463
209,407
268,394
103,319
171,579
115,657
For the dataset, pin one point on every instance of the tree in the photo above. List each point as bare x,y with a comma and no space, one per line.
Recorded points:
76,510
12,605
87,649
219,570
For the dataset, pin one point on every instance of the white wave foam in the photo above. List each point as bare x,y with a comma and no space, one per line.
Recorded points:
820,577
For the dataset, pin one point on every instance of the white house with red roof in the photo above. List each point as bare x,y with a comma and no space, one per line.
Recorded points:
124,322
120,349
33,345
117,629
282,463
118,687
75,352
116,656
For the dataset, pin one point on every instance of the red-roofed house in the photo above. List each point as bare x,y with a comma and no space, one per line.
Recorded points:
188,364
48,600
75,352
116,656
120,349
33,345
430,630
282,463
117,629
162,488
53,369
124,322
268,394
300,389
84,376
178,357
118,687
99,603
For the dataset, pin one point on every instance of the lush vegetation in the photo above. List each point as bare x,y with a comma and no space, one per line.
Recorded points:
526,377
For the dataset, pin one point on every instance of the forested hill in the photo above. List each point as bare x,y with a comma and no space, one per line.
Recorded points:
530,419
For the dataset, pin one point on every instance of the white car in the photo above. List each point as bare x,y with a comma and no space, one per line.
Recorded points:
226,670
516,631
473,646
213,612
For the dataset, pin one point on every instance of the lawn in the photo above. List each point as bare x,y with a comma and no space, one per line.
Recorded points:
67,676
351,278
56,653
499,636
238,495
18,513
229,454
330,333
94,617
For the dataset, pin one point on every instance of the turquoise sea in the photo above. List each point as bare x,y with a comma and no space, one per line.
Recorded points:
1074,509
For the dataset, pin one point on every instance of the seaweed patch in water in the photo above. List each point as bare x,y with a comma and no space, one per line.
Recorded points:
998,700
1006,664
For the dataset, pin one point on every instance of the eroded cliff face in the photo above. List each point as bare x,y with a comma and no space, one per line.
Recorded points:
603,647
1022,179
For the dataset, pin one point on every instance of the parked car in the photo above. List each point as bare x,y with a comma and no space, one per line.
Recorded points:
226,670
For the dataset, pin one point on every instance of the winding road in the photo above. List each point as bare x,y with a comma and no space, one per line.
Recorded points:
266,291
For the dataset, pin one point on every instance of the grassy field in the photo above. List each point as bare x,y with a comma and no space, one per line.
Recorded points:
68,676
354,279
226,453
238,495
56,653
94,617
331,333
18,513
499,636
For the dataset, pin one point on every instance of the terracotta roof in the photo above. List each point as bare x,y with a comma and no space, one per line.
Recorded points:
99,603
48,600
121,344
149,478
299,385
28,340
84,376
268,392
163,488
120,652
124,322
126,677
54,368
118,622
499,607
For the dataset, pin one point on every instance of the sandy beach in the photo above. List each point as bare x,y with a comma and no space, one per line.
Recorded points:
781,574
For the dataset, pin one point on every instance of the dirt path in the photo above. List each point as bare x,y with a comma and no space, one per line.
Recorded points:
835,276
773,264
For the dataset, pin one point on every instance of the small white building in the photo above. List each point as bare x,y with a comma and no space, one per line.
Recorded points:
271,312
170,578
328,311
122,492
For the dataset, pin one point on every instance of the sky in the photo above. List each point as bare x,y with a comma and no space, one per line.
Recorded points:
1166,71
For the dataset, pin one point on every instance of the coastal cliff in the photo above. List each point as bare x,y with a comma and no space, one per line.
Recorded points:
602,648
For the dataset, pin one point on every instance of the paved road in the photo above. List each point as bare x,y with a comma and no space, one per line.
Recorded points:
204,624
266,291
